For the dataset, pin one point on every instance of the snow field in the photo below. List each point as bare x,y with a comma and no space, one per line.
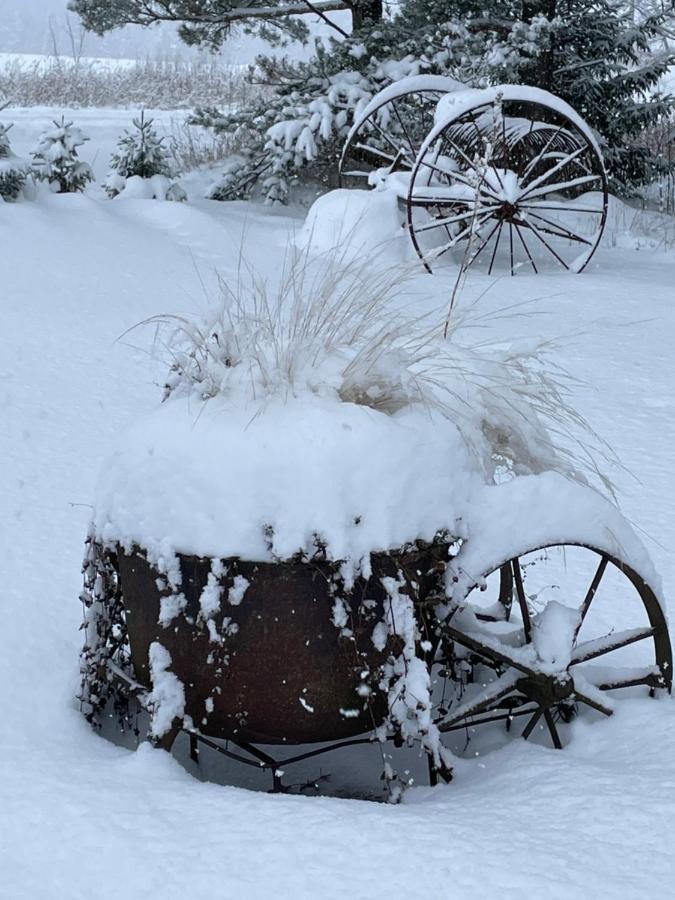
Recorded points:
78,814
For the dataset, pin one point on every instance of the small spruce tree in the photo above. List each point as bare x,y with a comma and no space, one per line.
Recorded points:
56,160
141,153
13,170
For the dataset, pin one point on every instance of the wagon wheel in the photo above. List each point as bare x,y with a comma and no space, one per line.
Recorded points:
390,130
587,625
515,174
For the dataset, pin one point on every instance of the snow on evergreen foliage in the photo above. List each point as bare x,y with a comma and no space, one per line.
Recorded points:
13,170
594,56
56,160
142,167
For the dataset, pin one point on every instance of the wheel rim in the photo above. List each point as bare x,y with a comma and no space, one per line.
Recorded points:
390,136
545,673
512,184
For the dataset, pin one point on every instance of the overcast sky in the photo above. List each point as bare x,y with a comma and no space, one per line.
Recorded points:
34,26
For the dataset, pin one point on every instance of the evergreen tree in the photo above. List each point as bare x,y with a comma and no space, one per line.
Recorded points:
210,22
600,56
13,171
142,155
604,57
56,160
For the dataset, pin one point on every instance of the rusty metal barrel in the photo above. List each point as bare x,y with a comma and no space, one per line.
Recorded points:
281,670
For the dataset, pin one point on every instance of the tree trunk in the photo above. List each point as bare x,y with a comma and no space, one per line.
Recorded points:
364,11
546,62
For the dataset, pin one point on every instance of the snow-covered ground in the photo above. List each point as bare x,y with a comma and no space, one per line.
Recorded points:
81,817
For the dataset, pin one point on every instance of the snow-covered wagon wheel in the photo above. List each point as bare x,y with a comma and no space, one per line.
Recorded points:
511,176
585,624
390,130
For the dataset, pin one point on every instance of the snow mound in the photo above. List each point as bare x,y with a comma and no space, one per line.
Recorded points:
531,512
157,187
217,480
357,222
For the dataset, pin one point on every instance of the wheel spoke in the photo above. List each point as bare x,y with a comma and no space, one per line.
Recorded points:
413,152
486,720
470,229
615,641
593,702
520,590
386,136
472,165
494,251
462,178
529,728
481,138
527,249
484,244
562,232
511,246
559,207
490,648
588,599
541,154
485,699
450,220
553,731
608,678
375,152
563,186
533,228
540,179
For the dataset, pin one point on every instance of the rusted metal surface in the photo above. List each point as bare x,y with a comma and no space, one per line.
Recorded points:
286,675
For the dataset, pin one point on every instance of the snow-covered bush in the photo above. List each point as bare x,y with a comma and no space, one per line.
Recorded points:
56,161
13,170
142,167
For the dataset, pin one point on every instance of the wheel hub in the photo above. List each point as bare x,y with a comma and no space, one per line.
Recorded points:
547,690
507,212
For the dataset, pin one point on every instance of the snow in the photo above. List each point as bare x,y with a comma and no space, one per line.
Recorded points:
238,590
553,633
532,511
157,187
357,221
408,85
456,104
167,698
80,815
302,468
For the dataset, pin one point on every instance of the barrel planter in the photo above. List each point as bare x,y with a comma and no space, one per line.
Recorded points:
285,671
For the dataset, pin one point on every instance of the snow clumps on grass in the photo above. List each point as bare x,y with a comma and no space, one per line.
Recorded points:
341,330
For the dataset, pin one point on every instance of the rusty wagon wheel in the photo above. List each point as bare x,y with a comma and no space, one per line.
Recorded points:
391,128
511,176
585,625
